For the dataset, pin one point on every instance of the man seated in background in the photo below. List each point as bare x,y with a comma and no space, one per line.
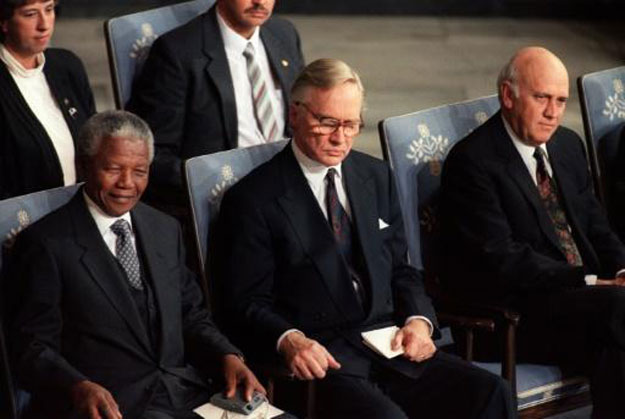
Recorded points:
315,254
522,227
108,319
220,81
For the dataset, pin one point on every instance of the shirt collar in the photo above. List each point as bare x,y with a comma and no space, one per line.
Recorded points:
103,220
314,171
16,68
526,151
233,42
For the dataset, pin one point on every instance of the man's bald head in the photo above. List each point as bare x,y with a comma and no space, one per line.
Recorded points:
533,89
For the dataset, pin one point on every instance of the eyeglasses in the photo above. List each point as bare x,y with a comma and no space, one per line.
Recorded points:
328,125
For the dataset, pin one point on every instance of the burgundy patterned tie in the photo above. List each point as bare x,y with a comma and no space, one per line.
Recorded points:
549,193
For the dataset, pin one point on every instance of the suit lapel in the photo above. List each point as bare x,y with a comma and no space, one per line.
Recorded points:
101,267
517,170
154,268
219,72
312,229
362,197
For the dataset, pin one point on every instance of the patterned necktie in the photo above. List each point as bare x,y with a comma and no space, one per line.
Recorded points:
260,96
126,254
342,229
548,192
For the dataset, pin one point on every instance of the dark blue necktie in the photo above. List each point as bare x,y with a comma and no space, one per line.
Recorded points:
342,229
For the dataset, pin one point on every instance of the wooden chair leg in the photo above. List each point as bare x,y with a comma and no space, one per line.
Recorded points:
468,341
310,399
508,366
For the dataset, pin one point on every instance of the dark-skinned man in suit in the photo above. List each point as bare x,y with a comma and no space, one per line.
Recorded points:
110,321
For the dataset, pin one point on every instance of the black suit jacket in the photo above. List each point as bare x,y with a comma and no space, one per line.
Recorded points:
499,239
28,161
76,318
185,93
284,269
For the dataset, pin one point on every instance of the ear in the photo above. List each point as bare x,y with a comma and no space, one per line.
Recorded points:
507,95
292,114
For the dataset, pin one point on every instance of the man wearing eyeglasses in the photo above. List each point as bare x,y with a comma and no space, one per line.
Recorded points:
314,254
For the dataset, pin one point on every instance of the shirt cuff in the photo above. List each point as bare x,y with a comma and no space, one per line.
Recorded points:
282,336
422,318
620,273
592,279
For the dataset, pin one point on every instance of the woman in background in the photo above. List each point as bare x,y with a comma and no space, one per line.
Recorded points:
44,99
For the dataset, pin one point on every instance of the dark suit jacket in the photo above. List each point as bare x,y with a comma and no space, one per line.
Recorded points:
185,93
284,269
499,239
28,161
76,318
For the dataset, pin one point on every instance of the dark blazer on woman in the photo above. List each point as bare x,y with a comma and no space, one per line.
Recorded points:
28,160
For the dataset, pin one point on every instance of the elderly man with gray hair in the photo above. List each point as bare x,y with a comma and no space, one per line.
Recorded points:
315,254
110,321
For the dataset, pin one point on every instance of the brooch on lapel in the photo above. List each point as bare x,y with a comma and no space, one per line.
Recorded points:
72,111
285,63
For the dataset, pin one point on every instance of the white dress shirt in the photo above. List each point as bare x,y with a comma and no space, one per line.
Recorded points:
249,131
527,155
104,222
315,174
34,88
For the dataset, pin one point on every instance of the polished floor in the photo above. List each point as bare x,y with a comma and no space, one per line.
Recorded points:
409,63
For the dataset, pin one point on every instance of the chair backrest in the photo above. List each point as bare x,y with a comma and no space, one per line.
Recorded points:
129,38
15,215
416,145
208,177
602,98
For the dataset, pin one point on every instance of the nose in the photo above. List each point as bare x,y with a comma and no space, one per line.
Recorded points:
124,180
338,136
552,109
45,21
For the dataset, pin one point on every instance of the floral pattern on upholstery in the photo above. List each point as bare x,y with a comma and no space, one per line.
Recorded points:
615,104
23,221
141,46
428,148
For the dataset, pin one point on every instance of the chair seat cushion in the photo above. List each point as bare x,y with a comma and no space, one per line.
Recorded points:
537,384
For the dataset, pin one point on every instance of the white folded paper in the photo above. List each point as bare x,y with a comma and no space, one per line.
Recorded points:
264,411
379,341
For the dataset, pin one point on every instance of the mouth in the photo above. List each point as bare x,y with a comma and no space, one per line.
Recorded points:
257,12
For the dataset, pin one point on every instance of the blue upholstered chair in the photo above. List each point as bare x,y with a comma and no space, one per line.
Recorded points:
15,215
416,145
208,178
129,38
602,98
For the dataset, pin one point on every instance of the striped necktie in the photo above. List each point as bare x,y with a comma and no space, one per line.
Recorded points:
265,116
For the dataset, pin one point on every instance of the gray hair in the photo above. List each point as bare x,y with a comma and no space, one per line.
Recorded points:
509,74
109,124
324,73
